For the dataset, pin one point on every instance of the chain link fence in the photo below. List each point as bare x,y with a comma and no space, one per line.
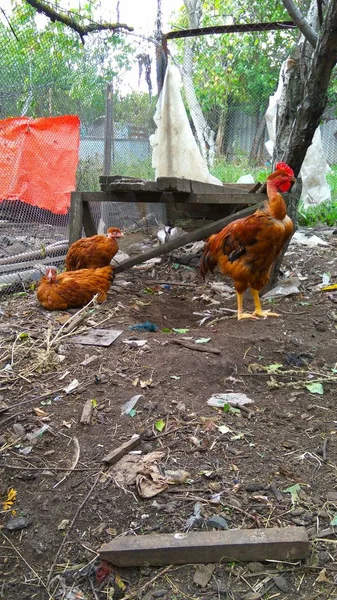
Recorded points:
46,71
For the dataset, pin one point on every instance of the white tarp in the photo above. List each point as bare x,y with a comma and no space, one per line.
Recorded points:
175,152
315,188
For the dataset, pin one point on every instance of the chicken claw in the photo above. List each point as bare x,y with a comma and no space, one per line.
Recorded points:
266,313
247,316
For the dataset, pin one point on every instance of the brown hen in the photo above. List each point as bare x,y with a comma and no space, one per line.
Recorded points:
93,252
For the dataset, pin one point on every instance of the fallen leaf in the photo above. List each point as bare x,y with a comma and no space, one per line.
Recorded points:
120,583
39,412
333,523
322,576
315,388
223,429
202,340
294,491
160,425
11,497
144,383
63,525
180,331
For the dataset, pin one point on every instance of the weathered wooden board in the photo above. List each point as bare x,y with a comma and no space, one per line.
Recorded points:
285,543
231,197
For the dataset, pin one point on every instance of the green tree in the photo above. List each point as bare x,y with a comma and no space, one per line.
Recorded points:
46,70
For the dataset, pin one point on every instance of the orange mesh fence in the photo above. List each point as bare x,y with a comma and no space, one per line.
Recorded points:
38,160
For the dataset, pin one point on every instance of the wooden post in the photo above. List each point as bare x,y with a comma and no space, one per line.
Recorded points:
75,217
88,220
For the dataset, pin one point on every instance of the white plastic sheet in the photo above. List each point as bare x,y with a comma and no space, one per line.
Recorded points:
175,152
315,188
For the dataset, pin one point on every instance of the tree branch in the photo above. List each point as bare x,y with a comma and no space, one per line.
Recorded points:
53,15
301,22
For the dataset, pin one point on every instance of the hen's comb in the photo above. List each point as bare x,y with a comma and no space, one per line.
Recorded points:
282,166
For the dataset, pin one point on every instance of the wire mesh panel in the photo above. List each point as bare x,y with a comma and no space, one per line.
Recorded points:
47,71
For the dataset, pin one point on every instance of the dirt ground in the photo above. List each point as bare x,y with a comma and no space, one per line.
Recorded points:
60,502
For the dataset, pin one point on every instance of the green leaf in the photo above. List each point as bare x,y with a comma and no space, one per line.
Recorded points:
94,403
315,388
23,335
333,523
180,330
166,330
273,368
226,408
294,491
160,424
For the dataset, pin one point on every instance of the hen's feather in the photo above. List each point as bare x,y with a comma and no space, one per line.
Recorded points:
74,289
91,253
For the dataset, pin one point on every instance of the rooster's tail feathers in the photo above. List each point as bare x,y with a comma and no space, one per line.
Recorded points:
208,260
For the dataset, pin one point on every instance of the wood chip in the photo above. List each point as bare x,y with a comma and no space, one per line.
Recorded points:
115,455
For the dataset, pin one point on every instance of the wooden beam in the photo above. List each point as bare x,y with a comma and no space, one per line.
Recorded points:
281,544
229,197
88,220
75,217
193,236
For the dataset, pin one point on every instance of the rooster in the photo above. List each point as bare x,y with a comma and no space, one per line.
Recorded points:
93,252
246,248
73,289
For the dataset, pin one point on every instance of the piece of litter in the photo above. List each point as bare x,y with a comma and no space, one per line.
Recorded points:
135,343
88,361
72,386
223,429
202,340
312,241
97,337
232,398
147,326
285,288
130,404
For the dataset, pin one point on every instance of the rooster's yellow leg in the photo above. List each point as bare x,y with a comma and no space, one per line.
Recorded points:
241,314
258,312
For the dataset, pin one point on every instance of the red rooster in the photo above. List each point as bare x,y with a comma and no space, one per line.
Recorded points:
246,248
93,252
73,289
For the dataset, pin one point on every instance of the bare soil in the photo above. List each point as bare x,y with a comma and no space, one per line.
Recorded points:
287,437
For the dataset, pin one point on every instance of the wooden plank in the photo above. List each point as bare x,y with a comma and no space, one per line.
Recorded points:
192,236
283,544
236,197
88,220
75,217
174,184
115,455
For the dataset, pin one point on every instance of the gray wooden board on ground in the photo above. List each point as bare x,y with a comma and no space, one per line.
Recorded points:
97,337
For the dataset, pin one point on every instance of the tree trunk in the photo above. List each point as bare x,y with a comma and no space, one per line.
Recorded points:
204,134
304,100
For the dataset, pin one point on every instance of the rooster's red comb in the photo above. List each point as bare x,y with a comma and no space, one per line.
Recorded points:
282,166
